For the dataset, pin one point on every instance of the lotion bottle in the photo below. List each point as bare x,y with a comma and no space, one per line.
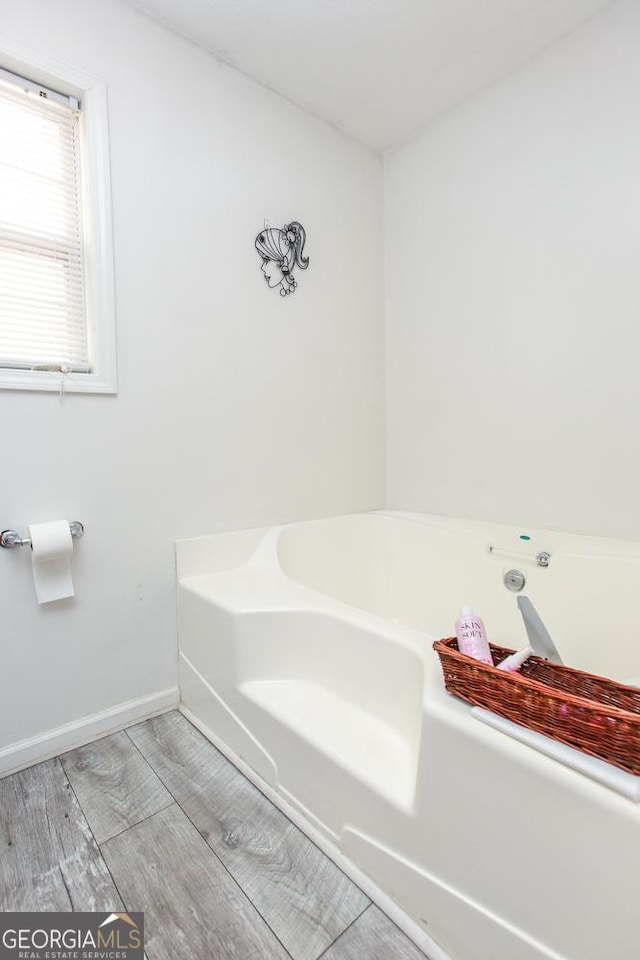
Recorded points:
514,661
471,636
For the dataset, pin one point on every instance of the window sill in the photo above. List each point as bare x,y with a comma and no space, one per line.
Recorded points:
54,382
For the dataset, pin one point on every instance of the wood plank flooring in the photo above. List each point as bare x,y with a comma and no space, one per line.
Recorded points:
301,894
156,819
372,937
49,859
114,785
192,906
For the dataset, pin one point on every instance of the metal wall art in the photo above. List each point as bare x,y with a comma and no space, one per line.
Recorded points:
281,252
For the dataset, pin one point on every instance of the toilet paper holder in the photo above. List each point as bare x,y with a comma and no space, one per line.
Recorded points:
11,538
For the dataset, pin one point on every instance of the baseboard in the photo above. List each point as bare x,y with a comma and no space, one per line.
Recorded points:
49,744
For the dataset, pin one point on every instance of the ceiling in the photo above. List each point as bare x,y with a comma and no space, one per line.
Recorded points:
378,69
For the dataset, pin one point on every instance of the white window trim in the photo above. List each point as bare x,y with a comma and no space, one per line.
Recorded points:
96,194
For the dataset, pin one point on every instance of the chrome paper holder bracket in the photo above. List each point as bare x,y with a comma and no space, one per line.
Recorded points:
10,538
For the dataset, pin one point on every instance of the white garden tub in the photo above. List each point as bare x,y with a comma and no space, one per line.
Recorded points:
305,651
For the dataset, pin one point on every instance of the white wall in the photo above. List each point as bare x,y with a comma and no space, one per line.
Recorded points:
236,407
513,305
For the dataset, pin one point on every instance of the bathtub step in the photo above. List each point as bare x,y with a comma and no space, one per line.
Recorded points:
373,751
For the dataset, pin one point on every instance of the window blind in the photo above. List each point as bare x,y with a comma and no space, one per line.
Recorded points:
42,303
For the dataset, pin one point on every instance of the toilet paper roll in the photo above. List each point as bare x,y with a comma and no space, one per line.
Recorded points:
52,549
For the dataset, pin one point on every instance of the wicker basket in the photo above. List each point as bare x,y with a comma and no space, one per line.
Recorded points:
590,713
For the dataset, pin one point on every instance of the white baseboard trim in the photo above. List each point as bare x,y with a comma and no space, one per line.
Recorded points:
49,744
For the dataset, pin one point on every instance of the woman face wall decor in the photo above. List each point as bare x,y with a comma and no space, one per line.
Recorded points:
281,251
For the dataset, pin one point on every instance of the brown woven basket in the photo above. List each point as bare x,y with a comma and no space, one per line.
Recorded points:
591,713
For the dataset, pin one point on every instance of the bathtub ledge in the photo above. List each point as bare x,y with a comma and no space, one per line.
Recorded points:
626,784
367,748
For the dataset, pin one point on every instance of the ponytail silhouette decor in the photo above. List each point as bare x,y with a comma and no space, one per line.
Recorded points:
281,251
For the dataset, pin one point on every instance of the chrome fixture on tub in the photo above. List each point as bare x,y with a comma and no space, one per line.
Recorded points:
539,637
543,559
514,580
10,538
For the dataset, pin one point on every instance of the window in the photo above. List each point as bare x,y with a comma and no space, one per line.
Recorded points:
56,275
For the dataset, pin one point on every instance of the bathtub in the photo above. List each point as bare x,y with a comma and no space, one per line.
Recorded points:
305,655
